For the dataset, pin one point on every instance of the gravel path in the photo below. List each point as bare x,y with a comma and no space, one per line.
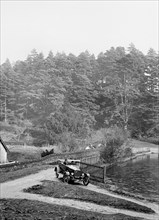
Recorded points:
14,189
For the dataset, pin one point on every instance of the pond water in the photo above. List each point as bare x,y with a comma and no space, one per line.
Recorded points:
139,176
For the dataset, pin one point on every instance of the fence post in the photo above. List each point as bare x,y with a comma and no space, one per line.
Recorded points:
104,173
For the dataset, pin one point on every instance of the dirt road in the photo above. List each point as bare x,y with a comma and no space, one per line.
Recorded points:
14,189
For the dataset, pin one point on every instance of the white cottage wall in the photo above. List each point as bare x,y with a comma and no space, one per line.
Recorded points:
3,154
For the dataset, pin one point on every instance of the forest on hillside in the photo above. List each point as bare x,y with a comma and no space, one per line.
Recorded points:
63,98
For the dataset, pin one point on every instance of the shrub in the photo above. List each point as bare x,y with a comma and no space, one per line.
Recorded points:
96,137
69,142
6,127
72,144
112,150
46,152
113,146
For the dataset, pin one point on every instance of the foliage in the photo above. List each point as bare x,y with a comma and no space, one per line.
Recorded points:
6,127
66,98
114,147
67,125
67,191
96,138
69,142
47,152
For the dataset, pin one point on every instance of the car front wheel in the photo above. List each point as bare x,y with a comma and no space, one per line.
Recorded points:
57,175
85,181
66,179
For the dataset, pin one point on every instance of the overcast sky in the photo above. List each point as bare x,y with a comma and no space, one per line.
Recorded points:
76,26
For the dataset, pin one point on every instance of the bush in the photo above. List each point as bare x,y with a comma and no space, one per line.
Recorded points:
113,147
6,127
135,134
69,142
112,150
46,152
97,137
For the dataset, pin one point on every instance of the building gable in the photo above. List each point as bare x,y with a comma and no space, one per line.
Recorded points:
4,145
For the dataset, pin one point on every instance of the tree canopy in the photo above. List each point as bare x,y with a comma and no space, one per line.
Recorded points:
72,94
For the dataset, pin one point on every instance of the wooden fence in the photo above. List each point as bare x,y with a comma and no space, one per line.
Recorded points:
88,160
87,156
97,173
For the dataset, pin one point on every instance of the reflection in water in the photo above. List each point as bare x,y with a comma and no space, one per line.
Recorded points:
140,176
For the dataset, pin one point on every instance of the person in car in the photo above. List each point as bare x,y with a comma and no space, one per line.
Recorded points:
66,161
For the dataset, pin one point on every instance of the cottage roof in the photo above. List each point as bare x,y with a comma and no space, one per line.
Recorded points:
3,144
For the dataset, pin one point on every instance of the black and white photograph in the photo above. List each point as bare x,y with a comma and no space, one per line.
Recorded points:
79,110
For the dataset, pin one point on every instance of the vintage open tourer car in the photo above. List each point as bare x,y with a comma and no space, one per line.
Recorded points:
71,171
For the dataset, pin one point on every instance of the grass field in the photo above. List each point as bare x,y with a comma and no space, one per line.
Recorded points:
23,153
31,210
66,191
140,146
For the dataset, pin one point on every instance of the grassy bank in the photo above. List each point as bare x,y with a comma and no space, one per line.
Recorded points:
65,191
14,172
24,153
110,186
140,146
31,210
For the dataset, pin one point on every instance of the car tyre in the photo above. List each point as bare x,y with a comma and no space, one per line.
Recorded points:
57,175
66,179
85,181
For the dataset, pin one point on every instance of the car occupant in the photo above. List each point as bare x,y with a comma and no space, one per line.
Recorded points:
65,162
